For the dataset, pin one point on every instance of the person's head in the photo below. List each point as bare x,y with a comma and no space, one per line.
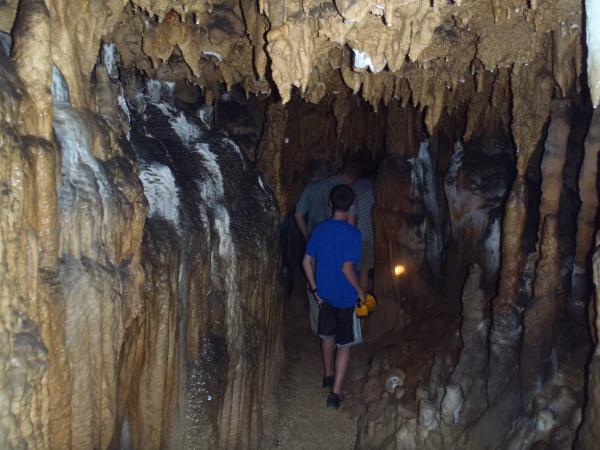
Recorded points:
341,198
318,169
349,172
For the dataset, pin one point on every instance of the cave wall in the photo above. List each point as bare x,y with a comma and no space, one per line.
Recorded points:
512,366
121,336
212,348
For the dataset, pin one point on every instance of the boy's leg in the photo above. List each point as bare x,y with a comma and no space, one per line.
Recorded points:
344,339
327,335
341,364
328,347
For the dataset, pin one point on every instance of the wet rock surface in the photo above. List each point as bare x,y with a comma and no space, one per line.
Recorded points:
134,328
206,245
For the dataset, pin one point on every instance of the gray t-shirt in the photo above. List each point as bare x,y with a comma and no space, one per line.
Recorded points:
314,201
365,199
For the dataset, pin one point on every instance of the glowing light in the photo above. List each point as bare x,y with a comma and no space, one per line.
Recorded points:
399,270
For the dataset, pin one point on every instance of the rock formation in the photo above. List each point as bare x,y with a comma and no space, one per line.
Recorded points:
140,296
131,314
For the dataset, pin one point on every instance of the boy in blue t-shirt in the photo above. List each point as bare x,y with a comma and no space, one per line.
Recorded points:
331,251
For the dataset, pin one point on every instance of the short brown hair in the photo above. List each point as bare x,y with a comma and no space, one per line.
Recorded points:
341,198
351,169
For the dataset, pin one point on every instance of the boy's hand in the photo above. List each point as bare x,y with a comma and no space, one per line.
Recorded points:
361,295
318,299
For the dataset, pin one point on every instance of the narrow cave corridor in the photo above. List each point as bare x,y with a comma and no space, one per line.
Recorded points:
154,159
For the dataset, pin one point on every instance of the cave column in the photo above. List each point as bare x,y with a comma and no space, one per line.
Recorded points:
532,88
270,151
540,318
29,238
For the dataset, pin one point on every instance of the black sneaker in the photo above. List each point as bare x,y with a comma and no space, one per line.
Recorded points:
334,401
328,381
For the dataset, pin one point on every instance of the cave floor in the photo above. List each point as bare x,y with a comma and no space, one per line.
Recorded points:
302,420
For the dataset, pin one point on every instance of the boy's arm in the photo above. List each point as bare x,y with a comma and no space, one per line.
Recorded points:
308,264
302,207
309,270
299,218
350,274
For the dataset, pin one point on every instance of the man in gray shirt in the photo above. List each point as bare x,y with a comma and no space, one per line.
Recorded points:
314,203
365,200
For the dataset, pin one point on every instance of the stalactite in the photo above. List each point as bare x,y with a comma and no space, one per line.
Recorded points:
566,58
31,53
74,51
555,152
255,24
404,129
587,213
532,88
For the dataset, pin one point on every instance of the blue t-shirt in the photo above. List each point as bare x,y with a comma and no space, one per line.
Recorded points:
332,243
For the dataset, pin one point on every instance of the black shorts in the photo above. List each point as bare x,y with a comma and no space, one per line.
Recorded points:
338,323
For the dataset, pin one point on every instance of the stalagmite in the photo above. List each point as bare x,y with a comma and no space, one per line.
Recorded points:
541,316
588,179
470,369
589,433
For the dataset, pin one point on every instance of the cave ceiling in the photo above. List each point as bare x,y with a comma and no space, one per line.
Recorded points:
434,54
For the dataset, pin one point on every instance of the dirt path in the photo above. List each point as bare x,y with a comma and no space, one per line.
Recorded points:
303,421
